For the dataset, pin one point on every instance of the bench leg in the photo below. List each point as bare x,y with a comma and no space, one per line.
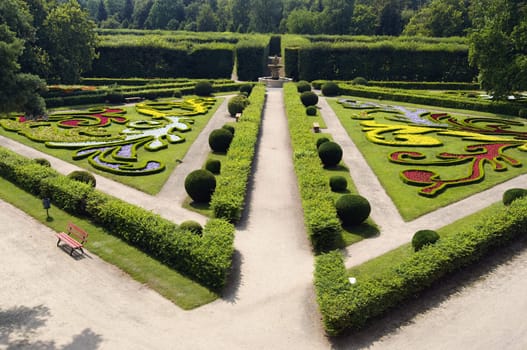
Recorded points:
58,242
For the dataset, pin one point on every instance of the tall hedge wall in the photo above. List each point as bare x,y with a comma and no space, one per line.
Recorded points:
206,259
228,200
345,306
251,58
320,214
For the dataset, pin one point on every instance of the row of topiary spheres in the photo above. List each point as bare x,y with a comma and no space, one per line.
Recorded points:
204,258
224,186
345,306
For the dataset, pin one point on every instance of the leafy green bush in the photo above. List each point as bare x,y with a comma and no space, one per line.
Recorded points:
203,88
229,198
177,93
229,128
237,104
338,183
200,185
311,110
309,98
303,86
522,113
83,176
330,89
424,237
513,194
359,81
192,226
349,307
246,89
220,140
43,162
330,153
322,140
352,209
213,165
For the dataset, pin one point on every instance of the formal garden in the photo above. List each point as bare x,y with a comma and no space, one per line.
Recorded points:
427,130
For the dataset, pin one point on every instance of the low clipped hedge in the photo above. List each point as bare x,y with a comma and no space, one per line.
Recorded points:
205,259
320,215
228,200
345,306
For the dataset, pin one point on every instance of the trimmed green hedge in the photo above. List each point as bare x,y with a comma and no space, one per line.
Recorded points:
251,58
206,259
320,214
345,306
228,200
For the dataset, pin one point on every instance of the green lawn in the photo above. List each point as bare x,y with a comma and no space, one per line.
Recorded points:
177,288
406,197
150,184
377,267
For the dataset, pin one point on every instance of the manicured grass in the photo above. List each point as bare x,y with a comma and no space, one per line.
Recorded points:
406,197
382,264
150,184
174,286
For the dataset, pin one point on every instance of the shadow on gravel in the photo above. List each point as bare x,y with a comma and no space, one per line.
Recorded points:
432,298
19,325
230,293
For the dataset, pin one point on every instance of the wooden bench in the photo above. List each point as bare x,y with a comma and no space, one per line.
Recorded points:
133,99
75,237
316,127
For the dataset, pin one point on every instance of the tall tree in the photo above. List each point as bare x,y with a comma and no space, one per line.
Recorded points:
162,12
498,45
70,40
18,91
102,14
265,16
390,21
363,20
128,10
336,16
440,18
240,15
302,21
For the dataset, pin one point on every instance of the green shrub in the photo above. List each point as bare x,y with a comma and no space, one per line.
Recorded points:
359,81
114,95
330,89
522,113
177,93
352,209
43,162
246,89
303,86
330,153
311,110
200,185
424,237
229,128
512,194
220,140
213,165
322,140
203,88
338,183
83,176
309,98
192,226
237,104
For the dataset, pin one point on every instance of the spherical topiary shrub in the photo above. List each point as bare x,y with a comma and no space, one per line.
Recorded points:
83,176
311,110
338,183
203,88
352,209
246,89
309,98
220,140
237,104
229,128
200,185
330,89
302,86
522,113
359,81
213,165
192,226
424,237
330,153
43,162
512,194
321,140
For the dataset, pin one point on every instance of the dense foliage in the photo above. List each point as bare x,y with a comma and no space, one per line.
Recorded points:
200,185
352,209
424,237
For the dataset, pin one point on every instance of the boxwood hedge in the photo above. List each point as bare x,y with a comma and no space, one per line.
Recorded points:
346,306
228,200
206,259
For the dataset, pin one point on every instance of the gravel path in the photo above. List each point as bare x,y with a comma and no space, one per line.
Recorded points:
55,302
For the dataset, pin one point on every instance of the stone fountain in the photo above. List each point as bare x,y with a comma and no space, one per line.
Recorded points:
275,80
